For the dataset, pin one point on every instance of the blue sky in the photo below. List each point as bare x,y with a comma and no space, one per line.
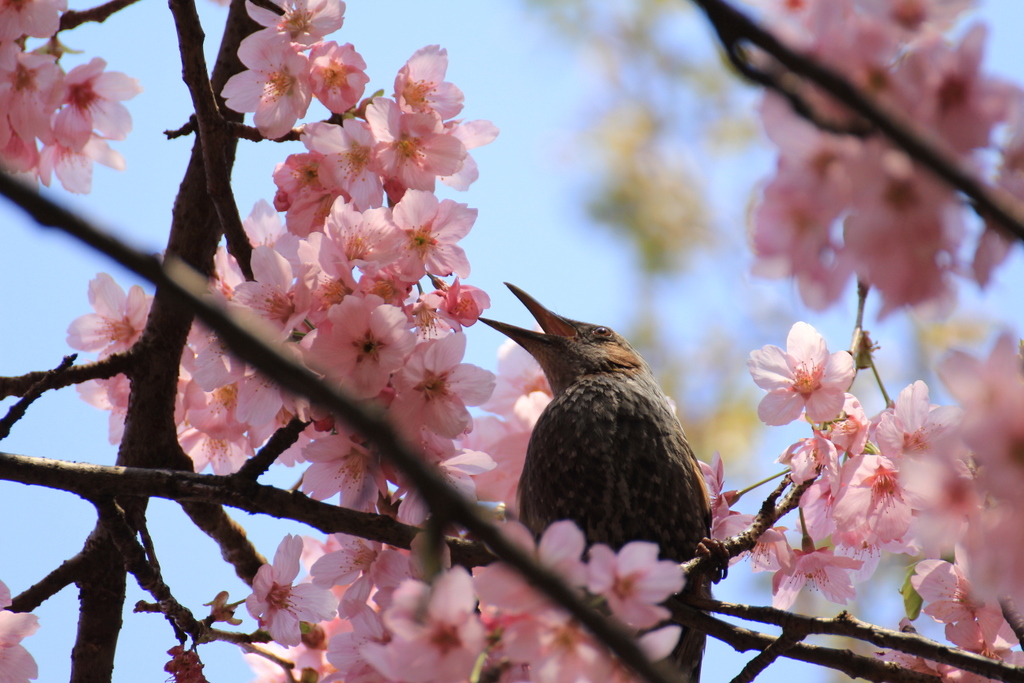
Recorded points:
531,231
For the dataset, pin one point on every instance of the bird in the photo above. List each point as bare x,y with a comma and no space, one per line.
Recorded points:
608,451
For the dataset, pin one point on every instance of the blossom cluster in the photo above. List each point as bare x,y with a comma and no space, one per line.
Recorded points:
396,625
840,205
339,286
52,122
917,478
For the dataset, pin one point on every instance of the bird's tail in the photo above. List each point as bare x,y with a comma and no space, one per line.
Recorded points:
688,654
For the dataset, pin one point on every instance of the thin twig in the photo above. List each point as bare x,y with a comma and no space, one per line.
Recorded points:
47,381
282,440
99,14
101,369
765,519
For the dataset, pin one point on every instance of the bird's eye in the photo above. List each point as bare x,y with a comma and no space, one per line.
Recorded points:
602,332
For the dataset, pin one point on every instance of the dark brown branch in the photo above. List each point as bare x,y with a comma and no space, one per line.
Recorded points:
101,369
763,659
244,132
99,14
235,547
187,129
212,131
187,288
282,440
187,487
735,29
237,130
46,382
765,519
51,584
145,571
845,661
844,624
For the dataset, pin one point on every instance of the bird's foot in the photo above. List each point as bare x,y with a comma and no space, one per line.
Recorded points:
719,558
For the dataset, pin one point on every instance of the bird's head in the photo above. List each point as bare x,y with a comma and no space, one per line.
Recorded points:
568,350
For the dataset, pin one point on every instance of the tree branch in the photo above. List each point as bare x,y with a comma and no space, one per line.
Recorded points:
845,661
212,131
99,14
765,519
45,382
844,624
101,369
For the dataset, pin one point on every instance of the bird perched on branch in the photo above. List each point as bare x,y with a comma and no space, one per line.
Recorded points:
608,451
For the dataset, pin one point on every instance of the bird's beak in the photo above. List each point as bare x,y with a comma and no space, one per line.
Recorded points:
553,325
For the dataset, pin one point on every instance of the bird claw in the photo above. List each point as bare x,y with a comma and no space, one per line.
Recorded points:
719,558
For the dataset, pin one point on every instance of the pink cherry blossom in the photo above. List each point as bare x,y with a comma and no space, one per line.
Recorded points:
280,606
434,387
463,304
37,18
302,194
413,149
364,342
458,472
850,431
560,549
992,394
809,457
16,664
118,321
519,375
472,134
304,21
420,86
916,15
73,167
344,651
505,442
225,451
634,581
276,87
903,229
276,295
109,394
915,427
263,224
873,503
348,164
337,74
369,240
959,103
436,631
432,229
339,464
31,89
805,376
93,102
819,569
341,567
949,597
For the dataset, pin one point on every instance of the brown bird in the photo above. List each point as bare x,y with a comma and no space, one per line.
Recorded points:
608,451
